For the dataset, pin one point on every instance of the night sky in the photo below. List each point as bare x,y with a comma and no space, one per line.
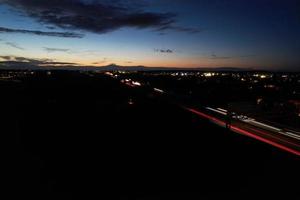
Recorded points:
259,34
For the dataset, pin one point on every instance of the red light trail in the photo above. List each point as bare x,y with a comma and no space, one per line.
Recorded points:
247,133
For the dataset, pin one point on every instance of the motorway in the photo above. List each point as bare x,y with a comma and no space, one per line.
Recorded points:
284,140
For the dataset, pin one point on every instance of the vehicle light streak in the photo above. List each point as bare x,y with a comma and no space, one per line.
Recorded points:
215,120
223,113
258,124
277,138
158,90
247,133
221,109
291,135
262,124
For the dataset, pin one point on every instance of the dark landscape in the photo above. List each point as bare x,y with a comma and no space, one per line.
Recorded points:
150,99
85,135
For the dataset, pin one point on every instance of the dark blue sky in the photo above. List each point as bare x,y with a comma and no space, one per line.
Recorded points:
260,34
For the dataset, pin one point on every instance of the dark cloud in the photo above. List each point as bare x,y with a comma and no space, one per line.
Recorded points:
103,61
52,50
214,56
178,29
15,61
98,16
6,57
164,50
24,59
247,56
14,45
50,27
185,29
42,33
49,63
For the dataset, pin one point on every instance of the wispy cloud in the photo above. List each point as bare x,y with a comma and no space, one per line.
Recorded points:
247,56
164,50
216,57
97,16
52,50
13,61
178,29
103,61
42,33
14,45
50,27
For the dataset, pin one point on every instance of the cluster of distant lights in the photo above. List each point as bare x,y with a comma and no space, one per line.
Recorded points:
17,73
207,74
131,83
217,74
243,77
10,75
252,77
128,81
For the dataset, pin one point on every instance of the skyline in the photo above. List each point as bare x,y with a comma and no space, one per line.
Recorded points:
249,34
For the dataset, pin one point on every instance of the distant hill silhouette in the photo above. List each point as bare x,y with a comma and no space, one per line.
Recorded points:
114,67
15,65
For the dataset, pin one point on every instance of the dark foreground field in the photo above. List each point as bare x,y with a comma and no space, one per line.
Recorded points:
71,136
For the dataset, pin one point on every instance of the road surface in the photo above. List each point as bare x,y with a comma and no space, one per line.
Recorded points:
277,138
